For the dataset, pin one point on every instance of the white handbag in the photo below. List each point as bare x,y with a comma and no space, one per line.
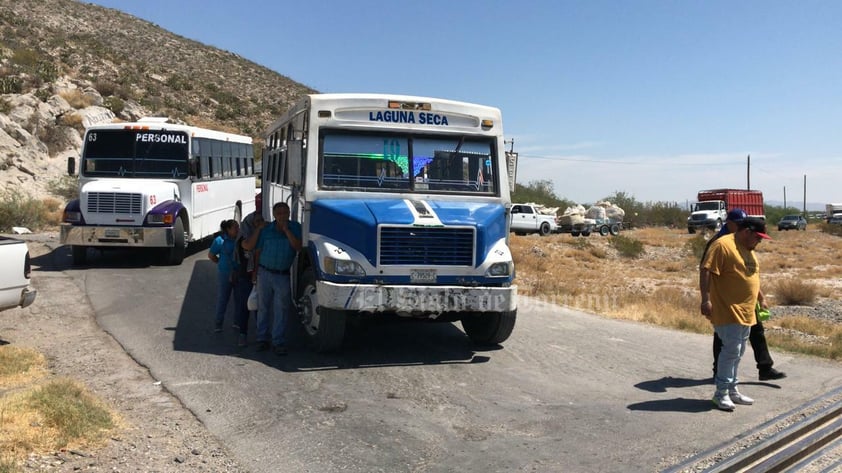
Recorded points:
251,303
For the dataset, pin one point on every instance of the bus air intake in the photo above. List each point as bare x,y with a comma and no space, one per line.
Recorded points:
426,246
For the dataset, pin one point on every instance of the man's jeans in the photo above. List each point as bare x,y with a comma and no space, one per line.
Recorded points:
274,304
734,337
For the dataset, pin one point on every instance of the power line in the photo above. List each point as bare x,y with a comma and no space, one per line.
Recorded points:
628,163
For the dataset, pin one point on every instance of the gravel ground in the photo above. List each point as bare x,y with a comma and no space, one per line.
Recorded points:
160,434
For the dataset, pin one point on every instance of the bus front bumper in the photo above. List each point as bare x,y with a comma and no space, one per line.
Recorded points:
81,235
425,301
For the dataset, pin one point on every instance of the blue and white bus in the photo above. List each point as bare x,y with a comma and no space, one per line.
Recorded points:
156,184
404,205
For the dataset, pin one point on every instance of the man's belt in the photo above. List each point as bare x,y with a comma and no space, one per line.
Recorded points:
275,271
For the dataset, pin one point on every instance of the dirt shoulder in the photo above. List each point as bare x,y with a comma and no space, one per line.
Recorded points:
159,433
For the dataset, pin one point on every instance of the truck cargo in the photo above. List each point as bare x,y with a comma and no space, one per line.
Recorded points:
712,207
832,210
603,217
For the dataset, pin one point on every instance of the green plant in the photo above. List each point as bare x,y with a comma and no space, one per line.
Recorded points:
72,411
627,246
115,104
66,187
696,245
11,85
17,210
25,57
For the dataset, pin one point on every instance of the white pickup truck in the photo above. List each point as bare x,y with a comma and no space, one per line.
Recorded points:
14,274
530,218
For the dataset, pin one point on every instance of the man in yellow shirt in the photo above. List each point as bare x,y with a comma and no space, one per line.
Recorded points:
729,282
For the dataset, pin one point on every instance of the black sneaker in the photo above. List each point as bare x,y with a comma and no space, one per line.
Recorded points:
771,374
262,346
280,350
217,328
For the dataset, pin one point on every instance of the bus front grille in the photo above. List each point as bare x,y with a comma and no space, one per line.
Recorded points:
115,203
426,246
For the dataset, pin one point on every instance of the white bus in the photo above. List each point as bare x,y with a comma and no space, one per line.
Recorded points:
156,184
404,205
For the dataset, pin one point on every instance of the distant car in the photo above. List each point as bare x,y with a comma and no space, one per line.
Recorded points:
792,222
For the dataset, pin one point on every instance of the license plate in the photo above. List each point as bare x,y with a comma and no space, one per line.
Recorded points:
422,275
112,233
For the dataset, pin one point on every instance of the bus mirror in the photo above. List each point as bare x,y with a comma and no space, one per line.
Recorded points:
71,166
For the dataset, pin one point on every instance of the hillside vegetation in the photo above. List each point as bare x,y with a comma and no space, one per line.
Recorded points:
65,64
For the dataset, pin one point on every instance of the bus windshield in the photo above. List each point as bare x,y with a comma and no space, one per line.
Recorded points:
406,163
136,154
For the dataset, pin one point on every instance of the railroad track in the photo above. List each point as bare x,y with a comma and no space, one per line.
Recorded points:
805,439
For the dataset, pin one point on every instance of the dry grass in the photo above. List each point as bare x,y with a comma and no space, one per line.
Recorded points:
660,286
76,98
40,414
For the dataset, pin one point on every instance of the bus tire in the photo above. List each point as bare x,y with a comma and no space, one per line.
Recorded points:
615,229
175,255
575,234
324,328
80,254
489,328
587,233
544,230
604,230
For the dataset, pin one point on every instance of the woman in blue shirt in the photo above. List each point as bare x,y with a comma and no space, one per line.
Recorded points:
231,276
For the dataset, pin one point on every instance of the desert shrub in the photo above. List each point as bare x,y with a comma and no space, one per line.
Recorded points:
17,210
696,245
627,246
115,104
25,57
5,106
57,138
105,88
11,85
47,71
76,98
73,120
834,229
66,187
791,291
581,243
44,94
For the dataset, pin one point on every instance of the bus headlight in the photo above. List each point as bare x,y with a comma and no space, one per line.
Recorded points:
160,219
72,217
499,269
342,267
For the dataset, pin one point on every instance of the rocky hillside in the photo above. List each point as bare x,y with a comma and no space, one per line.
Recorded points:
65,65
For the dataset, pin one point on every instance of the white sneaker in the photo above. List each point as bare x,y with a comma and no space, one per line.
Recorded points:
722,401
739,398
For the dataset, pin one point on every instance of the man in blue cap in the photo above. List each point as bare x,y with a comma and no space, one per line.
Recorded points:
757,335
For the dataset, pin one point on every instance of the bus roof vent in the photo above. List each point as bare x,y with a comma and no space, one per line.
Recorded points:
154,120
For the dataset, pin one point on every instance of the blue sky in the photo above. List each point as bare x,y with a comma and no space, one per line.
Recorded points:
658,99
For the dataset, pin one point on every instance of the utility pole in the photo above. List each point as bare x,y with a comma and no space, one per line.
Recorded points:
748,172
805,196
784,197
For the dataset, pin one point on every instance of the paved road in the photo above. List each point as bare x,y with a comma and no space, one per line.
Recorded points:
569,391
